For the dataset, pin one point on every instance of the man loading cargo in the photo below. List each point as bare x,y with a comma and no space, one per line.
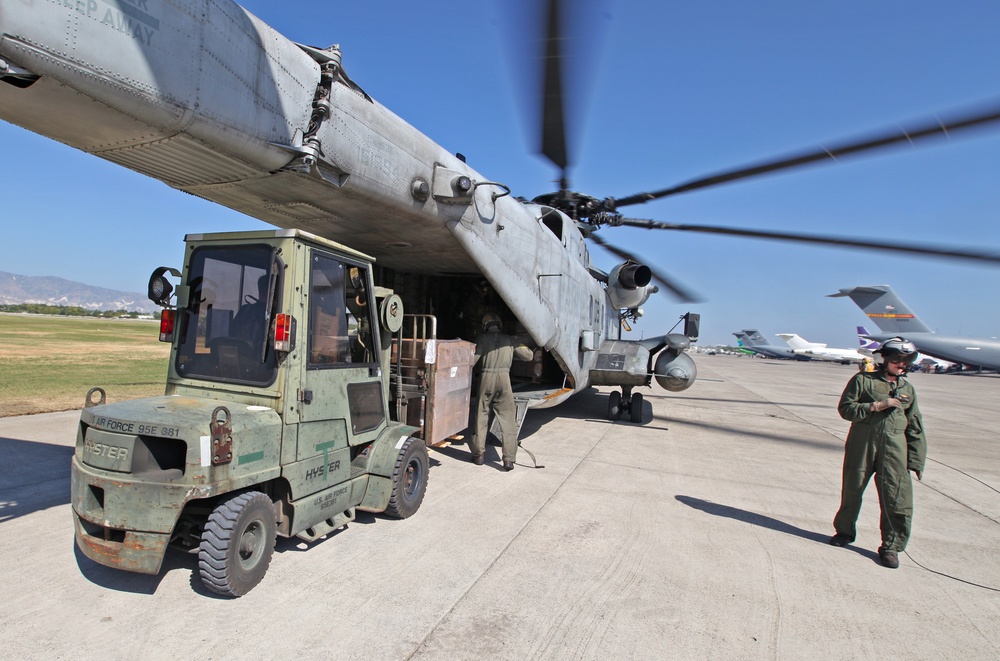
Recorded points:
886,439
496,351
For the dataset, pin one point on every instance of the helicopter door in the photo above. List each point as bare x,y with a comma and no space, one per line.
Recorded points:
342,401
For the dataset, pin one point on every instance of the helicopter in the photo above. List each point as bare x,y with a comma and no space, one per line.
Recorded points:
306,146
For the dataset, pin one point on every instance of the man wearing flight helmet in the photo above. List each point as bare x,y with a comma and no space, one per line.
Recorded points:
495,351
886,439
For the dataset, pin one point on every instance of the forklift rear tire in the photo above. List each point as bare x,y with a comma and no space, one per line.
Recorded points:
409,479
237,544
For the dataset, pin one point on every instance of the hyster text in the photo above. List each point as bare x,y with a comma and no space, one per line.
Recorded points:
105,450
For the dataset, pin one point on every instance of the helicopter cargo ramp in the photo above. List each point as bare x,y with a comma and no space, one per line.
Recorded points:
699,533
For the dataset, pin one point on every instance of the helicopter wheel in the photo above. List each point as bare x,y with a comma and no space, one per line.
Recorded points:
635,408
614,405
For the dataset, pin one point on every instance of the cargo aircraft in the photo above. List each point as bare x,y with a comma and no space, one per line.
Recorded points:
868,347
209,99
894,318
752,339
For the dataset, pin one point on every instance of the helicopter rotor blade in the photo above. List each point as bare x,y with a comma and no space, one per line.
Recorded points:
680,292
934,128
553,114
846,242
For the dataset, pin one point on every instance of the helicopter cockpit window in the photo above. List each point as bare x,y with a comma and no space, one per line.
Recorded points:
340,324
555,224
224,330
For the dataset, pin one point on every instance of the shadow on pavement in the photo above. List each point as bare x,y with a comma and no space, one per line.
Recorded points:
753,402
126,581
752,518
832,445
33,476
755,519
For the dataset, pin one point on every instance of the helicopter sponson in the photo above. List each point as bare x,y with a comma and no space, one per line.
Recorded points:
631,363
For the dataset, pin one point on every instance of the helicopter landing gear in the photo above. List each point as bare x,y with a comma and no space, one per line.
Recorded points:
635,408
625,402
614,406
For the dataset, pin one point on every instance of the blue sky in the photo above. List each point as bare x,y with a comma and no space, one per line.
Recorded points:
677,91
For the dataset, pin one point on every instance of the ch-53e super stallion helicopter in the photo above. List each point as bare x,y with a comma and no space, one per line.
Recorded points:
207,98
291,439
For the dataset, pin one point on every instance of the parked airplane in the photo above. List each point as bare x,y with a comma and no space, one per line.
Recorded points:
893,317
741,344
866,346
821,351
869,346
753,340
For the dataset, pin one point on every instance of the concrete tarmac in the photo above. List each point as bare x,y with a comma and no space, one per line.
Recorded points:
699,534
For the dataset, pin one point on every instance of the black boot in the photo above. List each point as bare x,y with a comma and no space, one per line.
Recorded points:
889,558
841,540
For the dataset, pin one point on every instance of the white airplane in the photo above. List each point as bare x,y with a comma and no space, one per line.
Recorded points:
821,351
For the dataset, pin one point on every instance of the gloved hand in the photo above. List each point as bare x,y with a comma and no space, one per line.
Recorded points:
886,404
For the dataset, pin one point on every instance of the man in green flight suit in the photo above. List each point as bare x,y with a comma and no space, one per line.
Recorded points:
496,351
886,439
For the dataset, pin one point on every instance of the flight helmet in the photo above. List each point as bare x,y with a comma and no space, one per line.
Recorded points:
491,319
898,346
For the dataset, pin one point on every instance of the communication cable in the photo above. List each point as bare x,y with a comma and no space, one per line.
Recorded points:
879,468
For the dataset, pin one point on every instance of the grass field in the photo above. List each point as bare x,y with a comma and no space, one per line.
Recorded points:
49,363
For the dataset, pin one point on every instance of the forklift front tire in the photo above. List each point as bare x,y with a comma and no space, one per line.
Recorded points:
237,544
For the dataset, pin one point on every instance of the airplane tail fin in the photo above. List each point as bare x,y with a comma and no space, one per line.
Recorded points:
866,345
753,338
885,308
797,343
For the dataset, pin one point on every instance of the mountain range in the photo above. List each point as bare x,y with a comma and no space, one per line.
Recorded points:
49,290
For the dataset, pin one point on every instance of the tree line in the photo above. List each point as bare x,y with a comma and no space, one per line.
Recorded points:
72,311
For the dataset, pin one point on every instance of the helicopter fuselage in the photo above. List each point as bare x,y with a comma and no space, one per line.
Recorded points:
210,100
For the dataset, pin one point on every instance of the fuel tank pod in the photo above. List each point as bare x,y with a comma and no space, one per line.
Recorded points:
674,370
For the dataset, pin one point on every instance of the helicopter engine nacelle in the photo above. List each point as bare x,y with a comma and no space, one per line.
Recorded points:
674,370
627,285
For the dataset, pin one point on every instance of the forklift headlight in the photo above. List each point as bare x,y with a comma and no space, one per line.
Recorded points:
160,288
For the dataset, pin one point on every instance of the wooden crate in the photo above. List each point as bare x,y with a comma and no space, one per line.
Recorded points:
447,383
